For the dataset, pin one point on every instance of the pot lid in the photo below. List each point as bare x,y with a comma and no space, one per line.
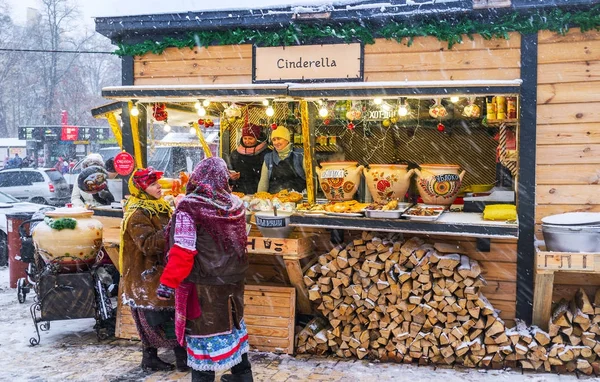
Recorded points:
573,218
70,212
270,214
5,205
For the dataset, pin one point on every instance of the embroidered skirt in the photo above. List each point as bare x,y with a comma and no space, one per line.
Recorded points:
217,352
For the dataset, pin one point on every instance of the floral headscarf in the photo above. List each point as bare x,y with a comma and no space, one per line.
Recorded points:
213,208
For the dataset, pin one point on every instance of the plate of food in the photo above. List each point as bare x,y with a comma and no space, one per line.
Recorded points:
310,209
391,210
424,212
348,207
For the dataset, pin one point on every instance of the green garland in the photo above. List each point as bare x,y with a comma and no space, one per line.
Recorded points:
61,223
451,31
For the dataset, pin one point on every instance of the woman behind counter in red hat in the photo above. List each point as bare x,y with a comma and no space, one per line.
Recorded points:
247,159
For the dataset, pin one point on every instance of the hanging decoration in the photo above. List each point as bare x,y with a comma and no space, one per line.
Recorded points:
451,30
159,112
440,127
350,126
233,113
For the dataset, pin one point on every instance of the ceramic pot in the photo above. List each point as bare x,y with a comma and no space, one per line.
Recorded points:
339,180
439,183
69,249
387,181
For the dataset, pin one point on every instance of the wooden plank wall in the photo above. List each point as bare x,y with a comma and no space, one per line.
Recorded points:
568,134
427,59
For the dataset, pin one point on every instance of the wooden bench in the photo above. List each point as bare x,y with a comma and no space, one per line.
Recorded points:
546,265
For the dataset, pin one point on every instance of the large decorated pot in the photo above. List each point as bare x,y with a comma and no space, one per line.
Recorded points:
339,180
439,183
68,238
387,181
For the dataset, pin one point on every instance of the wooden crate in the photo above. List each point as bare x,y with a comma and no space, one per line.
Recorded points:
269,312
297,245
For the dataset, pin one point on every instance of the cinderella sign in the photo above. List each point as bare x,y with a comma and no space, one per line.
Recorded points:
331,62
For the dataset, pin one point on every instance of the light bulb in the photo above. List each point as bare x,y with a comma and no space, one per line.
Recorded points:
266,102
323,112
206,103
454,99
197,105
192,130
135,111
201,111
377,101
166,127
270,111
320,102
403,110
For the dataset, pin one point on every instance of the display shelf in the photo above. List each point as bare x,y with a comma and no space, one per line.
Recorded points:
450,223
498,122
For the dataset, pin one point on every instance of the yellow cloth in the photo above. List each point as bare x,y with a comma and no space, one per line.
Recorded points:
281,132
139,199
500,212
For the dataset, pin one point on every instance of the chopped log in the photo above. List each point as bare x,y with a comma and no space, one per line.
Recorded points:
584,366
583,302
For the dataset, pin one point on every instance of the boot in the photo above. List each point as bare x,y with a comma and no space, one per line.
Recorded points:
242,372
151,362
203,376
181,359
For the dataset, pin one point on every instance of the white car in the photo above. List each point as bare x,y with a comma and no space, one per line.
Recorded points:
10,205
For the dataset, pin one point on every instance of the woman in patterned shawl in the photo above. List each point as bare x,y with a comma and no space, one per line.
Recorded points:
206,270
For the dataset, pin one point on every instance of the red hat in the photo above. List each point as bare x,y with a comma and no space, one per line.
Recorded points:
144,177
251,130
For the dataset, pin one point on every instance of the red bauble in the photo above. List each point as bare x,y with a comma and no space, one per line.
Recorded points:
441,127
327,121
351,126
201,122
273,126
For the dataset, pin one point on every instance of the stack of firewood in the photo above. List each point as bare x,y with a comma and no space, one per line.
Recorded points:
386,299
574,331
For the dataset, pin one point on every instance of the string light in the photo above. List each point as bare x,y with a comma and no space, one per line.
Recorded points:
454,99
323,112
403,108
206,103
134,110
270,111
201,111
266,102
192,130
197,105
166,127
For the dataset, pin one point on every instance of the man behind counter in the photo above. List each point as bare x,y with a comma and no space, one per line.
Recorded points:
283,168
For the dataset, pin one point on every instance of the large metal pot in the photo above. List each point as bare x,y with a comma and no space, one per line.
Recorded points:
571,238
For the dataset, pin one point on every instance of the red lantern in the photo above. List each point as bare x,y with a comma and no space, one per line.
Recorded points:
350,126
441,127
200,122
327,121
273,126
159,112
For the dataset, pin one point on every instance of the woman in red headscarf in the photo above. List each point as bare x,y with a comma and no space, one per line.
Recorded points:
206,270
247,159
141,255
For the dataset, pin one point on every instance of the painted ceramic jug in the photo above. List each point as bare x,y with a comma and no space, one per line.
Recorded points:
339,180
387,181
439,183
68,238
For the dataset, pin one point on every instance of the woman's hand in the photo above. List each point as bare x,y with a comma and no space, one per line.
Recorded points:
178,199
234,175
164,292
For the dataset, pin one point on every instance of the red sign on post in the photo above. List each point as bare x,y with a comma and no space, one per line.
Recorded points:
124,163
69,133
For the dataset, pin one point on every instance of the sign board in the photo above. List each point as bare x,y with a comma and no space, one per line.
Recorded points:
331,62
69,133
124,163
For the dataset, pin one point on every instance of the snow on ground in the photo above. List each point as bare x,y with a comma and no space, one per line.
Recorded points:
70,351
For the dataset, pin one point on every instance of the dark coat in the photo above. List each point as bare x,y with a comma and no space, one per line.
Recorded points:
143,253
249,167
219,279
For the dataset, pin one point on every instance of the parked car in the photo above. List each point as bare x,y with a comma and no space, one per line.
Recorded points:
35,185
10,205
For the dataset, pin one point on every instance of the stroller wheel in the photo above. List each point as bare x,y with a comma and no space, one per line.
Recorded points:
21,290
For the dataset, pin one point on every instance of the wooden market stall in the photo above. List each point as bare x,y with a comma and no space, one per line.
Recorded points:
555,128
